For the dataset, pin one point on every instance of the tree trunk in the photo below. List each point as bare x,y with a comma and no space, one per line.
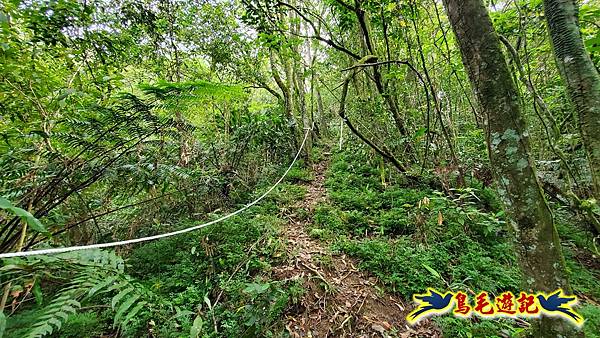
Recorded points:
377,77
321,111
288,105
298,84
536,240
580,76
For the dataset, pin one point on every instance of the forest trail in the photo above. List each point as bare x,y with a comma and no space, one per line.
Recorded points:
339,300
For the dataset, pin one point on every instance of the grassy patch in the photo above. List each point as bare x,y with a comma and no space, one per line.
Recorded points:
412,238
299,174
220,275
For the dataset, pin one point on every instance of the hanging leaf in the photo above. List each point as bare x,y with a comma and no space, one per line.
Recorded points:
132,313
37,293
2,324
196,329
431,270
33,222
5,204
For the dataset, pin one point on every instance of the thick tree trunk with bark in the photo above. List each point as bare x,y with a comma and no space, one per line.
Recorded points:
580,76
537,243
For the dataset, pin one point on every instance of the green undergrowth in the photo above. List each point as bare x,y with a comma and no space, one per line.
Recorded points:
299,173
218,279
414,237
213,282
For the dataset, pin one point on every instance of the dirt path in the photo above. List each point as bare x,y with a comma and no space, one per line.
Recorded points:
339,300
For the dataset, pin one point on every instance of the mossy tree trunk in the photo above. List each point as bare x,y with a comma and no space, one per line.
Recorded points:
580,76
536,239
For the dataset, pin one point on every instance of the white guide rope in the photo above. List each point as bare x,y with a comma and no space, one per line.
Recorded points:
151,238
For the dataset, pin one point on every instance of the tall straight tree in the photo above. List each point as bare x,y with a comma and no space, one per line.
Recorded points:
579,74
536,239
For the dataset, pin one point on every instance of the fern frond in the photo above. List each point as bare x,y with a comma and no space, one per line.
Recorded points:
91,273
54,315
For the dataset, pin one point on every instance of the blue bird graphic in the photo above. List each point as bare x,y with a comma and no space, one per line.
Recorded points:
430,302
557,303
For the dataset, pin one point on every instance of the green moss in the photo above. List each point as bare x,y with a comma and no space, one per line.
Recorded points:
468,328
396,233
286,194
299,174
591,313
86,324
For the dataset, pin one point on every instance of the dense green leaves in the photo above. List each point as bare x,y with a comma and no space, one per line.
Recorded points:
33,222
123,119
90,273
